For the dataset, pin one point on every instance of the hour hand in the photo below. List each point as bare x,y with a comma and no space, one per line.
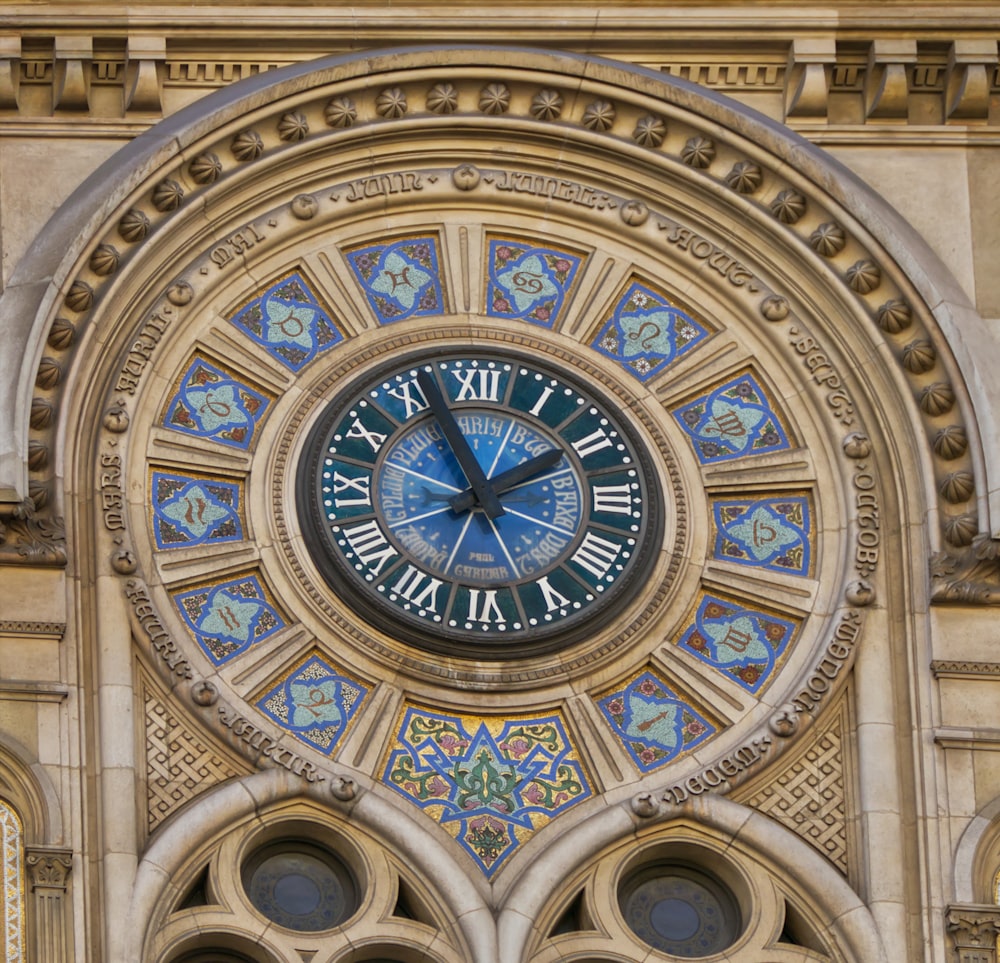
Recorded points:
482,489
509,478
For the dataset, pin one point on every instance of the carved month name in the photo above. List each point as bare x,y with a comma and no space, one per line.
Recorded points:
266,746
555,188
384,184
837,654
823,373
112,495
868,538
141,352
239,242
159,638
713,776
702,249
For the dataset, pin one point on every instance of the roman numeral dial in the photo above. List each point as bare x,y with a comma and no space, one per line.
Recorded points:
479,504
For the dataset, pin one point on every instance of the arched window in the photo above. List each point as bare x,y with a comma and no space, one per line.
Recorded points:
12,898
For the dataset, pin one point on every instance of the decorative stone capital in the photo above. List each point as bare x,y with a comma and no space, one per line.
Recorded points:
48,868
973,931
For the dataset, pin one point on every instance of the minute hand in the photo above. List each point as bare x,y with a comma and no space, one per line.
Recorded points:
509,478
483,491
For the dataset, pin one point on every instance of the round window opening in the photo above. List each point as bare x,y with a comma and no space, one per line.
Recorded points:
300,886
680,910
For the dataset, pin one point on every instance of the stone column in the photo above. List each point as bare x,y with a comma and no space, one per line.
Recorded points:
973,931
48,906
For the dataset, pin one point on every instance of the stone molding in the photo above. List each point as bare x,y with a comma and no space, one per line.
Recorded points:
42,630
877,81
965,670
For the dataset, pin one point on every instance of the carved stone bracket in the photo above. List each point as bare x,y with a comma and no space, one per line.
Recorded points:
48,874
142,88
10,71
971,576
967,92
886,85
27,538
807,91
973,931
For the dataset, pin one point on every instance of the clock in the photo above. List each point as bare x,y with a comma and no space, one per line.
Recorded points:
479,503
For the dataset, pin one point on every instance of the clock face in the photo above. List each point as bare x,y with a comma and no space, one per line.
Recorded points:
480,504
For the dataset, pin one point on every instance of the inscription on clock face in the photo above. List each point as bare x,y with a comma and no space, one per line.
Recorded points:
478,504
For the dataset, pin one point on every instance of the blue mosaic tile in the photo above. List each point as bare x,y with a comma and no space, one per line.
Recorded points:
315,703
489,783
743,643
646,332
769,533
212,403
529,282
653,723
289,321
227,618
188,510
401,279
732,420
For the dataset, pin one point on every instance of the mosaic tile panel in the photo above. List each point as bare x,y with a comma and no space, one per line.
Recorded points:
401,279
12,905
734,419
528,281
771,533
646,332
315,702
190,510
744,643
289,322
209,402
226,618
490,783
653,723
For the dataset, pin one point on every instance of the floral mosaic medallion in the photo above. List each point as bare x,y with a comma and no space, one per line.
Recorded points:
401,279
188,510
315,702
289,322
770,533
744,643
653,723
646,332
490,783
734,419
209,402
529,282
226,618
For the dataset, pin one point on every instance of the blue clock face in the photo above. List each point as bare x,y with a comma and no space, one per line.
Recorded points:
478,504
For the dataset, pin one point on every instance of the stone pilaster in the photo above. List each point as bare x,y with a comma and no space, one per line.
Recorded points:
48,904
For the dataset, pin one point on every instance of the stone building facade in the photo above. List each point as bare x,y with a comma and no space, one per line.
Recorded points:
499,485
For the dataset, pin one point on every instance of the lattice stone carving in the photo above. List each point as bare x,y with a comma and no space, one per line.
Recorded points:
808,797
179,765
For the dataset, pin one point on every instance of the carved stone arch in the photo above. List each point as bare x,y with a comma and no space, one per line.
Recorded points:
845,920
976,860
251,804
640,174
53,280
27,787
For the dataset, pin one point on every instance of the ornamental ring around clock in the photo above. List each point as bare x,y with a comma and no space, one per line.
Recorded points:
479,503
